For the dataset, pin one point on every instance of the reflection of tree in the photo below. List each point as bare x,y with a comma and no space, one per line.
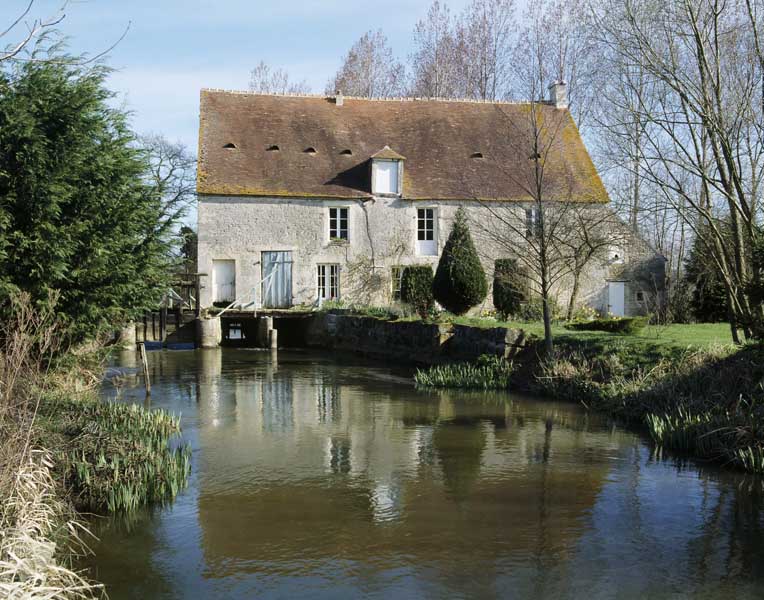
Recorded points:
339,455
459,445
731,536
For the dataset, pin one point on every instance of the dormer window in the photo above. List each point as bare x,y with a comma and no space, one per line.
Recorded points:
387,173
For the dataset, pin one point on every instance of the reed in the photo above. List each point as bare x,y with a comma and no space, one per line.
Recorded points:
708,403
487,373
35,523
116,457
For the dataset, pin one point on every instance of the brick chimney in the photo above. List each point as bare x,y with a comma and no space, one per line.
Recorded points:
558,94
339,100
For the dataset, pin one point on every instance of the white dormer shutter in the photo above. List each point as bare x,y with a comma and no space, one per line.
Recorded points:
385,177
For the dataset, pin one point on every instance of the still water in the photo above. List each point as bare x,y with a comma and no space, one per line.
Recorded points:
323,477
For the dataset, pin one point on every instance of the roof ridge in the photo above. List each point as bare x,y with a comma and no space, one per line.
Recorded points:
374,99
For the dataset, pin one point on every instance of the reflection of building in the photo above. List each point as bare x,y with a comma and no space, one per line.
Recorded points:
304,460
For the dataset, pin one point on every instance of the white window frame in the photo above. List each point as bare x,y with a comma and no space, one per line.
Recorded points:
398,164
338,230
426,247
532,222
327,281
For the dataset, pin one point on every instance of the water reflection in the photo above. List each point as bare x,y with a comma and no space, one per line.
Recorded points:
314,477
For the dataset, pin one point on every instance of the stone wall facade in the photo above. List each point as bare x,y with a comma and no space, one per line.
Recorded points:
382,235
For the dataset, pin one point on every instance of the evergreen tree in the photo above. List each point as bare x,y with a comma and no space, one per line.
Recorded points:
509,290
709,295
460,281
78,213
416,288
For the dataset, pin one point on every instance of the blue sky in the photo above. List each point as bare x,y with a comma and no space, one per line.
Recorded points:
176,47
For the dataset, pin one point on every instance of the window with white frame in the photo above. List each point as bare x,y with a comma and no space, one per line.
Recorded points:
396,278
338,223
328,282
385,177
426,232
532,222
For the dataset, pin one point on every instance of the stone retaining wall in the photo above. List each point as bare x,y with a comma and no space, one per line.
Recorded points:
413,341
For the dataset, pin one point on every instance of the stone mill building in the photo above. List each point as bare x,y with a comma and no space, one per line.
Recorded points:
304,199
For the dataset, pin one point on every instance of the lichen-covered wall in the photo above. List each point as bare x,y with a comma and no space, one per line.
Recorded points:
412,341
382,235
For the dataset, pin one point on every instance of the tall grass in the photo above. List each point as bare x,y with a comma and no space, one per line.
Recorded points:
708,402
35,522
487,373
31,524
60,448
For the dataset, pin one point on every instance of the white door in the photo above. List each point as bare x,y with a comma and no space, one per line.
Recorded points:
426,232
223,280
616,298
277,279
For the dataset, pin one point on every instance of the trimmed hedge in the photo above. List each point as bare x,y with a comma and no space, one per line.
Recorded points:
508,290
459,282
626,325
416,288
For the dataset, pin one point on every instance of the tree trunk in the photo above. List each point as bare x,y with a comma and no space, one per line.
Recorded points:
573,294
548,342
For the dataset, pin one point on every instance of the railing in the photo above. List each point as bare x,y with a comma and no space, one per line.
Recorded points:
243,306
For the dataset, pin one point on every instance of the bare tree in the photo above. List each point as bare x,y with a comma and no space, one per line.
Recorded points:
552,235
485,35
172,175
266,80
702,110
370,70
435,62
553,44
34,30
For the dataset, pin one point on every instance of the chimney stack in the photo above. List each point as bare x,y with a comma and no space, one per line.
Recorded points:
558,94
338,99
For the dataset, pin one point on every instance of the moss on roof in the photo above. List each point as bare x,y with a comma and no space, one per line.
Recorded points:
439,139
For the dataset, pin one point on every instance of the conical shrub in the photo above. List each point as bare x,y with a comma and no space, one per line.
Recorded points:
460,281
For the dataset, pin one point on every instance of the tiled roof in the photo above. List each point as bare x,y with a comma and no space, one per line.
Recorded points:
308,146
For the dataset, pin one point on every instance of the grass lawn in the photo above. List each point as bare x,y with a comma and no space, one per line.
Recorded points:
676,336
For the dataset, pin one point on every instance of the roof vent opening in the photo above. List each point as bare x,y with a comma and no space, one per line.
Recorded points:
347,152
476,155
230,145
309,150
273,148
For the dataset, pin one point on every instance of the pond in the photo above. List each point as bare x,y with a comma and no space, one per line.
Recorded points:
317,476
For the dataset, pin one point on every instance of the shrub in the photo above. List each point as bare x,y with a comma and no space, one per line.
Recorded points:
487,373
509,290
625,325
459,282
533,310
416,288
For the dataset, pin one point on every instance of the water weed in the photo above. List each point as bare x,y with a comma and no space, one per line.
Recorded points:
117,457
487,373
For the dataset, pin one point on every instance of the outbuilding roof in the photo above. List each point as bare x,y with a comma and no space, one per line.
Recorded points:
309,146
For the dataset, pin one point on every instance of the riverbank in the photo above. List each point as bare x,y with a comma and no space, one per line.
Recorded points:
64,451
693,392
707,402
